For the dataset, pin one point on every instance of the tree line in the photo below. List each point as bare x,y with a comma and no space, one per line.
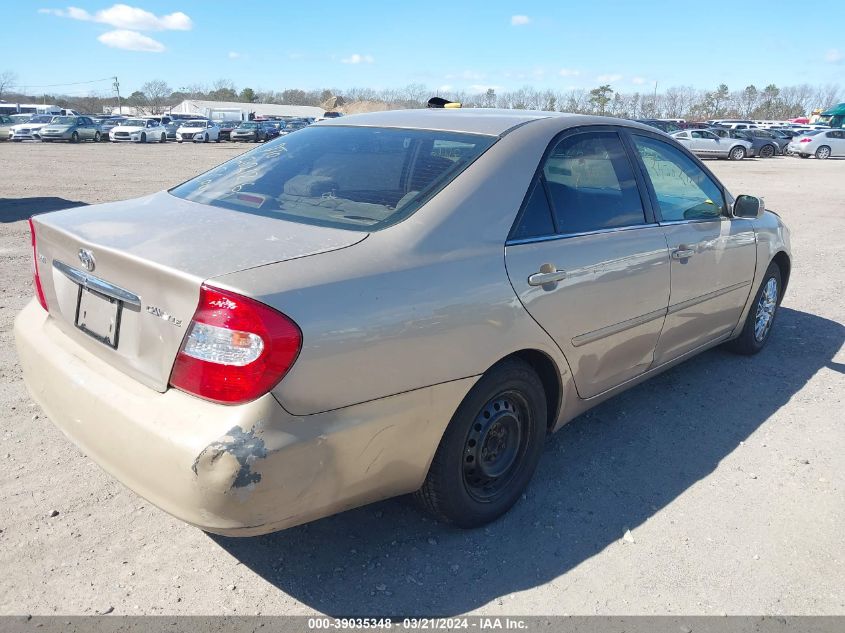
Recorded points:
769,102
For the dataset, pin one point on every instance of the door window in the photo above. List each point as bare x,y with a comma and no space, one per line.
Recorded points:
591,184
683,190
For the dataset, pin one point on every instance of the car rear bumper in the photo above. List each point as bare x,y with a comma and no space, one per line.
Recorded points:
233,470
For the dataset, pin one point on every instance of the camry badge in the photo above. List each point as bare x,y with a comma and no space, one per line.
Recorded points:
87,259
164,316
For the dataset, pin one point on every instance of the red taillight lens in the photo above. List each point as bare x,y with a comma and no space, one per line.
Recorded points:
36,280
236,348
805,140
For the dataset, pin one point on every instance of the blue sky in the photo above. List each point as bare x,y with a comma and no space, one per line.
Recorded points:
452,44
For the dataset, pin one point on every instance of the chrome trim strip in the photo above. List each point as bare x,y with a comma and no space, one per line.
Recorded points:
696,221
562,236
710,295
610,330
100,285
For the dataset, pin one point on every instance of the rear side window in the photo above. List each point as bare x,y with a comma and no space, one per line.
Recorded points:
536,217
683,190
357,178
591,184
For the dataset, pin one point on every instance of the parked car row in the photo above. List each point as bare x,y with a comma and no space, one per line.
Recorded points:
153,129
735,143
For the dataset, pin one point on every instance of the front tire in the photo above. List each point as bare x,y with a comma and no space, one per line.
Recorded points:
761,316
823,152
74,138
490,449
736,153
97,137
143,137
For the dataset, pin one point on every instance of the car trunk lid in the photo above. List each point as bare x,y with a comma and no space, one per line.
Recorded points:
133,303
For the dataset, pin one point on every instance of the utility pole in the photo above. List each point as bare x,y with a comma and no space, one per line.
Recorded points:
116,87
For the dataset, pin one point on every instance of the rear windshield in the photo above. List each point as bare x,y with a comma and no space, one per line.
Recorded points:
357,178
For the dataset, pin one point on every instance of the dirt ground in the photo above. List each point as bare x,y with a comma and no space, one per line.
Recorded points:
714,488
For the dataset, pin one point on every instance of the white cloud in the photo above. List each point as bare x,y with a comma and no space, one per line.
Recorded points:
834,56
445,88
355,58
520,20
639,81
234,55
122,16
608,79
568,72
131,41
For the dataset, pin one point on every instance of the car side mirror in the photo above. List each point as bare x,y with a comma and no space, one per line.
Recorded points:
749,207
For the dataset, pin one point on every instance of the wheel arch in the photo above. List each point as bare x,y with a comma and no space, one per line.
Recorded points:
550,377
785,265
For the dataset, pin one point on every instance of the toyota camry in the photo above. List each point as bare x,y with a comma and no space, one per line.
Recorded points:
388,303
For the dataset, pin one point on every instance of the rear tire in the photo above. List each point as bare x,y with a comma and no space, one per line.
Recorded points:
804,155
767,151
74,138
823,152
490,449
143,137
97,137
761,317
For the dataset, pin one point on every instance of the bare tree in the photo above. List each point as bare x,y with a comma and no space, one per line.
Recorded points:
7,80
157,93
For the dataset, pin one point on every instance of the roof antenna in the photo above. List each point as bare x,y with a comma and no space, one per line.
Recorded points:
440,102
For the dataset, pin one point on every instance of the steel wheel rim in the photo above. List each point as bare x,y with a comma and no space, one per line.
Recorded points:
766,307
768,151
495,446
737,153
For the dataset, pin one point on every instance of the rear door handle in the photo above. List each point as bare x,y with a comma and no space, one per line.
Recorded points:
682,252
549,274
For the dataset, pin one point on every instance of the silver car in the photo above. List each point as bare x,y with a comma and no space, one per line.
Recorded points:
389,303
72,129
821,143
707,144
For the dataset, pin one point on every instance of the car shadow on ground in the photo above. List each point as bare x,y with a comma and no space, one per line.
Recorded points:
15,209
607,471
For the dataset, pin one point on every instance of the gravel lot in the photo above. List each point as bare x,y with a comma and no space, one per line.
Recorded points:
727,471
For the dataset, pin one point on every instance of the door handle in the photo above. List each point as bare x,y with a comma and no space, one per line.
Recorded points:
549,274
683,252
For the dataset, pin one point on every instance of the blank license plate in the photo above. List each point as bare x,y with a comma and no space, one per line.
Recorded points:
98,316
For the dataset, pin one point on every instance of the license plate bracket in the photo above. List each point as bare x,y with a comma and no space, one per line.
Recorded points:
98,316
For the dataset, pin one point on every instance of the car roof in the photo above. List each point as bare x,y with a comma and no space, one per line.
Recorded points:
487,121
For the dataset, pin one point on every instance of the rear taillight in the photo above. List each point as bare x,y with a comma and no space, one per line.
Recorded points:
805,140
236,349
36,280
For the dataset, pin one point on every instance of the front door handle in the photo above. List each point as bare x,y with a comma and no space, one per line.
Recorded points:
549,274
682,252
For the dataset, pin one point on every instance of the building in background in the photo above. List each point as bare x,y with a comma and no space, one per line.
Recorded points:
235,111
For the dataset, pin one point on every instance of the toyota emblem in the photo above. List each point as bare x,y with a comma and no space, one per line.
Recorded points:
87,259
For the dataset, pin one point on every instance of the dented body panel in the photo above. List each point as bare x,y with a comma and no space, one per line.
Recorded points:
240,470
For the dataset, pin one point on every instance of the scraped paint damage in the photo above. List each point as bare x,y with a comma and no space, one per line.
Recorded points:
244,446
